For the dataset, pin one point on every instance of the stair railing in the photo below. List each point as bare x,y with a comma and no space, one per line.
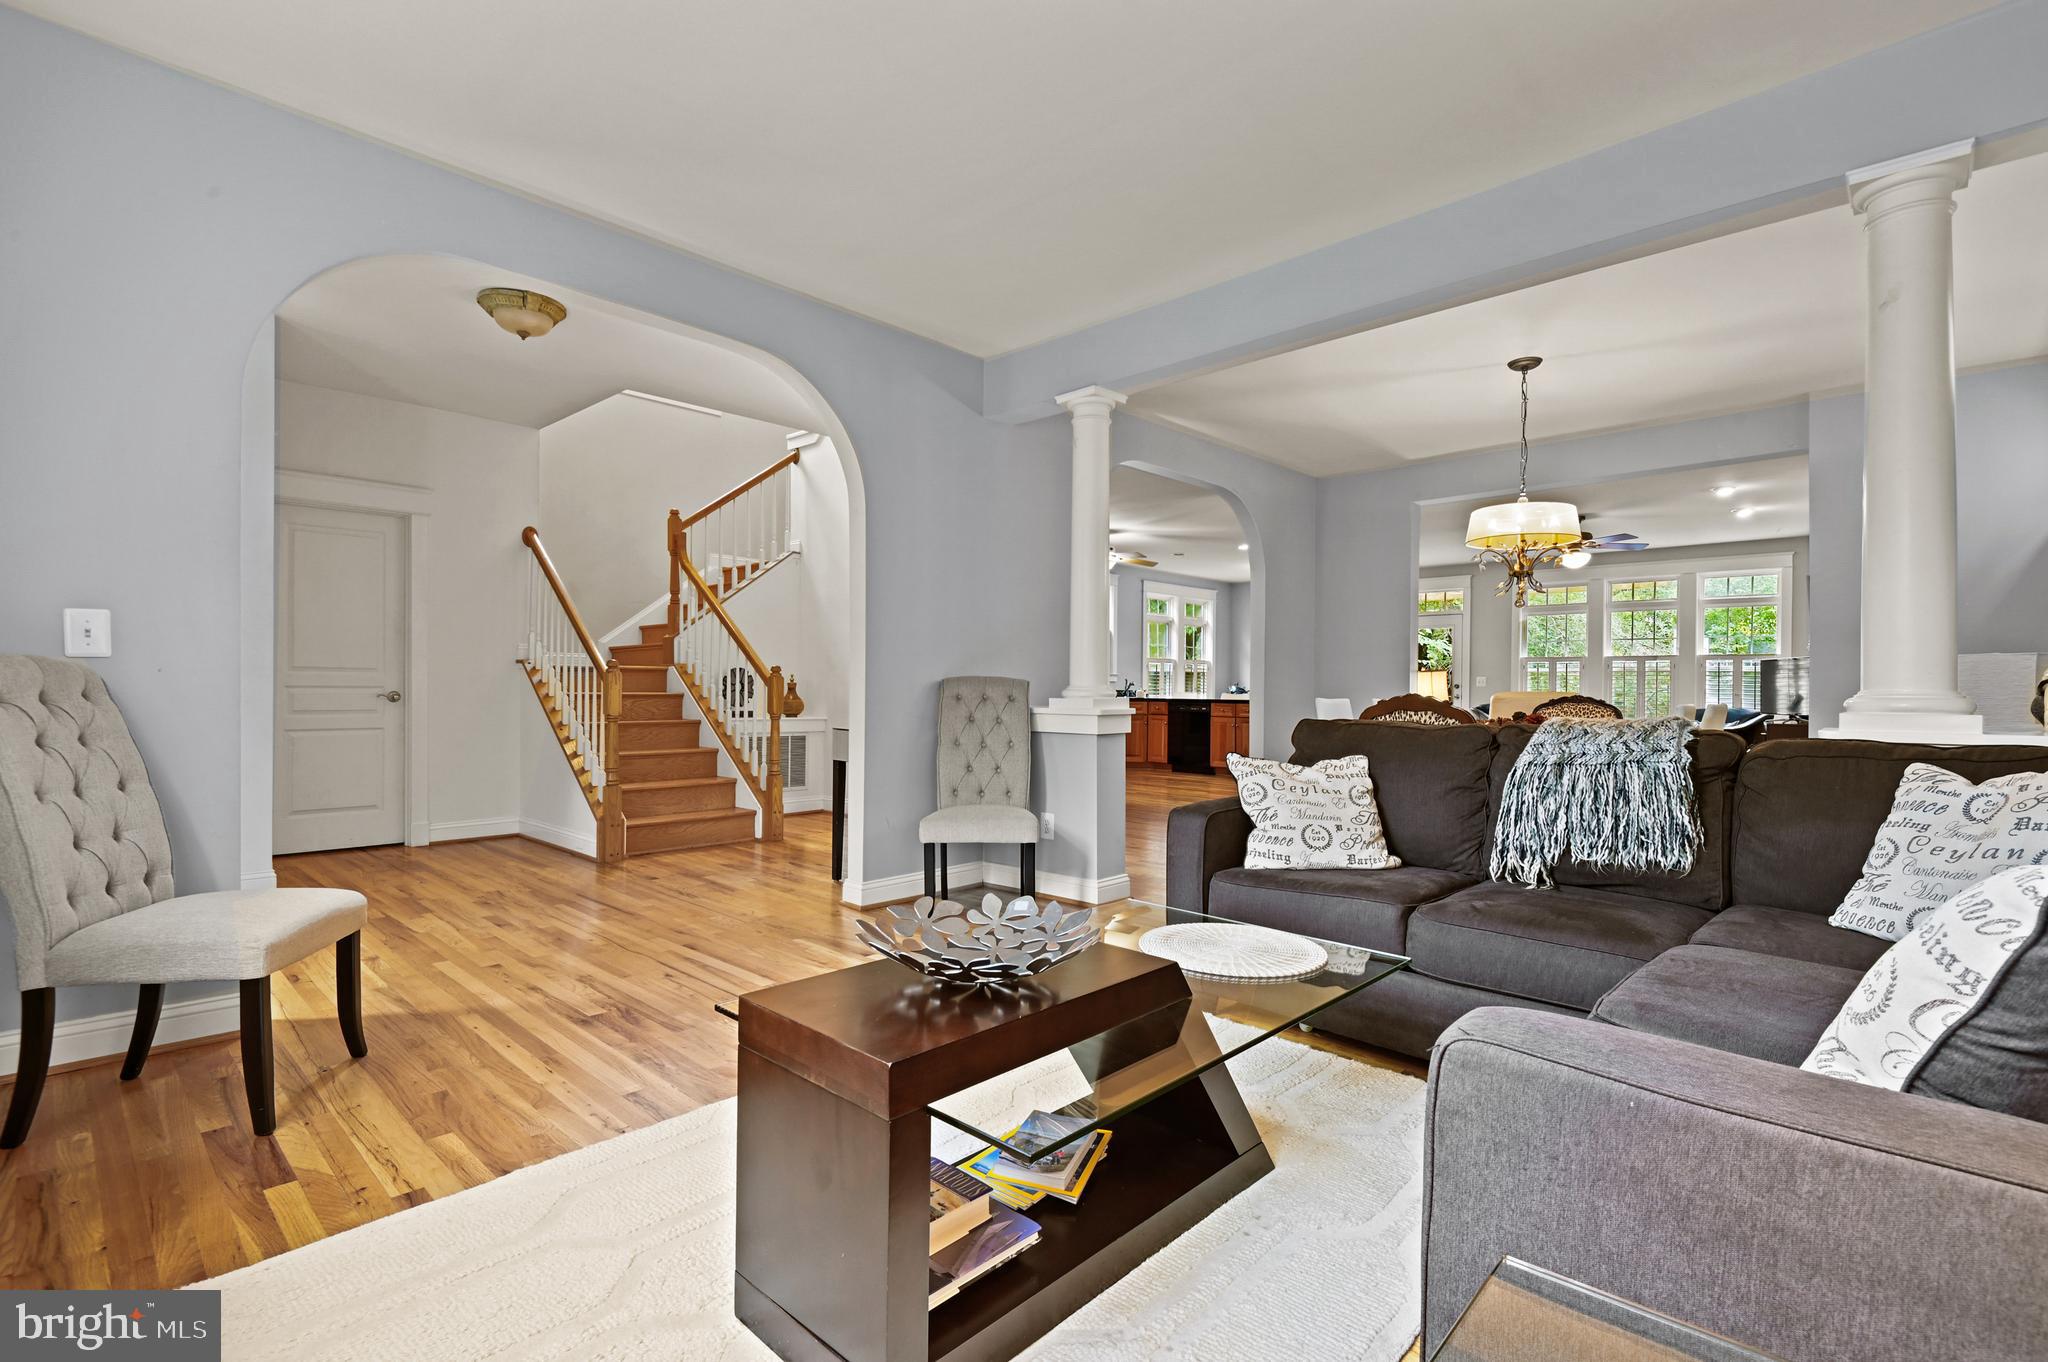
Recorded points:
587,689
734,539
739,695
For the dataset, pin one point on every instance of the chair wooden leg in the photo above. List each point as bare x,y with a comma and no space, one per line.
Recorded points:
945,891
1027,869
348,991
258,1077
148,1008
38,1025
931,870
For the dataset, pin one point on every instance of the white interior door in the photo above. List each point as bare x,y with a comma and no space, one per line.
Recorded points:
340,763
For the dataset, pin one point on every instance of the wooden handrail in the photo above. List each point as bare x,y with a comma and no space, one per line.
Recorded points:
531,538
749,485
710,598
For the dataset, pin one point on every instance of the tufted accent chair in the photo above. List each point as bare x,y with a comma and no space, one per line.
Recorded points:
85,867
984,775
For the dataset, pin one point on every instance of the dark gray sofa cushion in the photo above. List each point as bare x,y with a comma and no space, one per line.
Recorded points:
1794,935
1764,1006
1566,946
1715,756
1808,809
1432,784
1358,907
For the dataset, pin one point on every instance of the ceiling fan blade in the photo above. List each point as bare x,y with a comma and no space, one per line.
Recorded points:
1611,538
1636,547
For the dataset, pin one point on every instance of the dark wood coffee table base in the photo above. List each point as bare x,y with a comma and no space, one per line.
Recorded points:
832,1187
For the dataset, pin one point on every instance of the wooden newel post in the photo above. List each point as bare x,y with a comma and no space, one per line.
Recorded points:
611,832
771,815
675,572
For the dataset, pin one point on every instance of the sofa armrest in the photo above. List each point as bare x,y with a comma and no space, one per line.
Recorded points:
1806,1216
1202,839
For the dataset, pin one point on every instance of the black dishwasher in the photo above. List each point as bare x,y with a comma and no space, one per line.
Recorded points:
1187,735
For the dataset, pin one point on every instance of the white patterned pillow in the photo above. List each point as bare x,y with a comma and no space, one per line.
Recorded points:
1954,1009
1944,835
1320,817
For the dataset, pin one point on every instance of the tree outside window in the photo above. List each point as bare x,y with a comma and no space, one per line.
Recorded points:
1739,625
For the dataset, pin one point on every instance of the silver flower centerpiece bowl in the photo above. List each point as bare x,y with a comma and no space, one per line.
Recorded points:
992,943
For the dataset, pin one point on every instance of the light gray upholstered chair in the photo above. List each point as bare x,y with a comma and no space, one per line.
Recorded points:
984,776
85,866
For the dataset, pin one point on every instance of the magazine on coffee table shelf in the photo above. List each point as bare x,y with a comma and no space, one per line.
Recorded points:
981,1250
959,1202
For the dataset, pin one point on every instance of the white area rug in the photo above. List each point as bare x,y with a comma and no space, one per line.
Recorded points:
624,1250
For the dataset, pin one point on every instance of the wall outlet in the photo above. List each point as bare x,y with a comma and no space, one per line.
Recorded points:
1045,827
88,633
1479,683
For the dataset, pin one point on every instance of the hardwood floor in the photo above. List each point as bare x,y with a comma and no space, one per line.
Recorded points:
520,1002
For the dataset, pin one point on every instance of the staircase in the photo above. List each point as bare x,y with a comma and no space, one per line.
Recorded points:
653,784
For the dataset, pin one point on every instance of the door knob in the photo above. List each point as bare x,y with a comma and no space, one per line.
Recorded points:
393,696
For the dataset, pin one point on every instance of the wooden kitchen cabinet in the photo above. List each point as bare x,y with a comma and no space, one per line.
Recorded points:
1146,743
1230,730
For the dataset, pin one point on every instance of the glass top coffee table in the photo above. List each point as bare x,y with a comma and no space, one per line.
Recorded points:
1122,1069
847,1079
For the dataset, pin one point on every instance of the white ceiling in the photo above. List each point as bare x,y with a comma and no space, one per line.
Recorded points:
1734,323
1187,529
1665,510
994,174
408,328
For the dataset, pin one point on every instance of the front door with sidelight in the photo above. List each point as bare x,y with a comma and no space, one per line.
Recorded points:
341,602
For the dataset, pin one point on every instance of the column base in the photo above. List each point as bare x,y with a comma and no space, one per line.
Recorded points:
1087,705
1961,730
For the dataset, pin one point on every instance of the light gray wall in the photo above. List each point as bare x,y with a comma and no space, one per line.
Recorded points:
1233,645
122,441
2002,505
1489,619
1834,536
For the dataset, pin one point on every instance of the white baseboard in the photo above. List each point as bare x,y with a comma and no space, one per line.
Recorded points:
474,827
260,879
582,840
106,1034
896,888
806,803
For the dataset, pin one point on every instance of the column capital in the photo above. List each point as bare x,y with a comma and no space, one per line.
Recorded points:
1091,401
1936,173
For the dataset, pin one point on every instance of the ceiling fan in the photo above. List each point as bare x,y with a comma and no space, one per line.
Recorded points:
1117,555
1599,543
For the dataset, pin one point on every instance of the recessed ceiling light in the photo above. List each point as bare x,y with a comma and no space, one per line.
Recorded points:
1744,512
1724,490
1242,547
1178,554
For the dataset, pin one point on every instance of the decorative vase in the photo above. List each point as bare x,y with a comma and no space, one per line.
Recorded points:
792,703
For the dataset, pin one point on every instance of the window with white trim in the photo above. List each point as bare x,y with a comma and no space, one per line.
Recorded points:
1180,641
1692,633
1741,620
1551,638
1642,645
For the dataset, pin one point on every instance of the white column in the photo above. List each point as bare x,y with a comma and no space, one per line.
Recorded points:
1088,661
1909,452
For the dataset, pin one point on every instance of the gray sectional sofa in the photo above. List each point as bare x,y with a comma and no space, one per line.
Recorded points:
1614,1090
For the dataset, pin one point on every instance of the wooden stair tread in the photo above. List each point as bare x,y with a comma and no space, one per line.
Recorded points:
689,816
666,751
686,783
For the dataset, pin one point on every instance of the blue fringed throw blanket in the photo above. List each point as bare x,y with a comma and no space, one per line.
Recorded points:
1617,795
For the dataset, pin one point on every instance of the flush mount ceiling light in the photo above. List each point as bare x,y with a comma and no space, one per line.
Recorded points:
1744,512
1243,547
520,311
1724,490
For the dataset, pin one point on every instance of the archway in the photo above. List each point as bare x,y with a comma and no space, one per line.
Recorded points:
750,382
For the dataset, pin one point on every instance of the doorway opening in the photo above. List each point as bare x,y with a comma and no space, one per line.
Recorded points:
412,445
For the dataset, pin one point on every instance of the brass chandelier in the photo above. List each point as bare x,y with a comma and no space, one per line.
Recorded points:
1523,536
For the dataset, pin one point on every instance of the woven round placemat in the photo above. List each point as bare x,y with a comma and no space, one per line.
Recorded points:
1235,950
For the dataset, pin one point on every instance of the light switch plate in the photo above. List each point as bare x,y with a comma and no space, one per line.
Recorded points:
88,633
1045,827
